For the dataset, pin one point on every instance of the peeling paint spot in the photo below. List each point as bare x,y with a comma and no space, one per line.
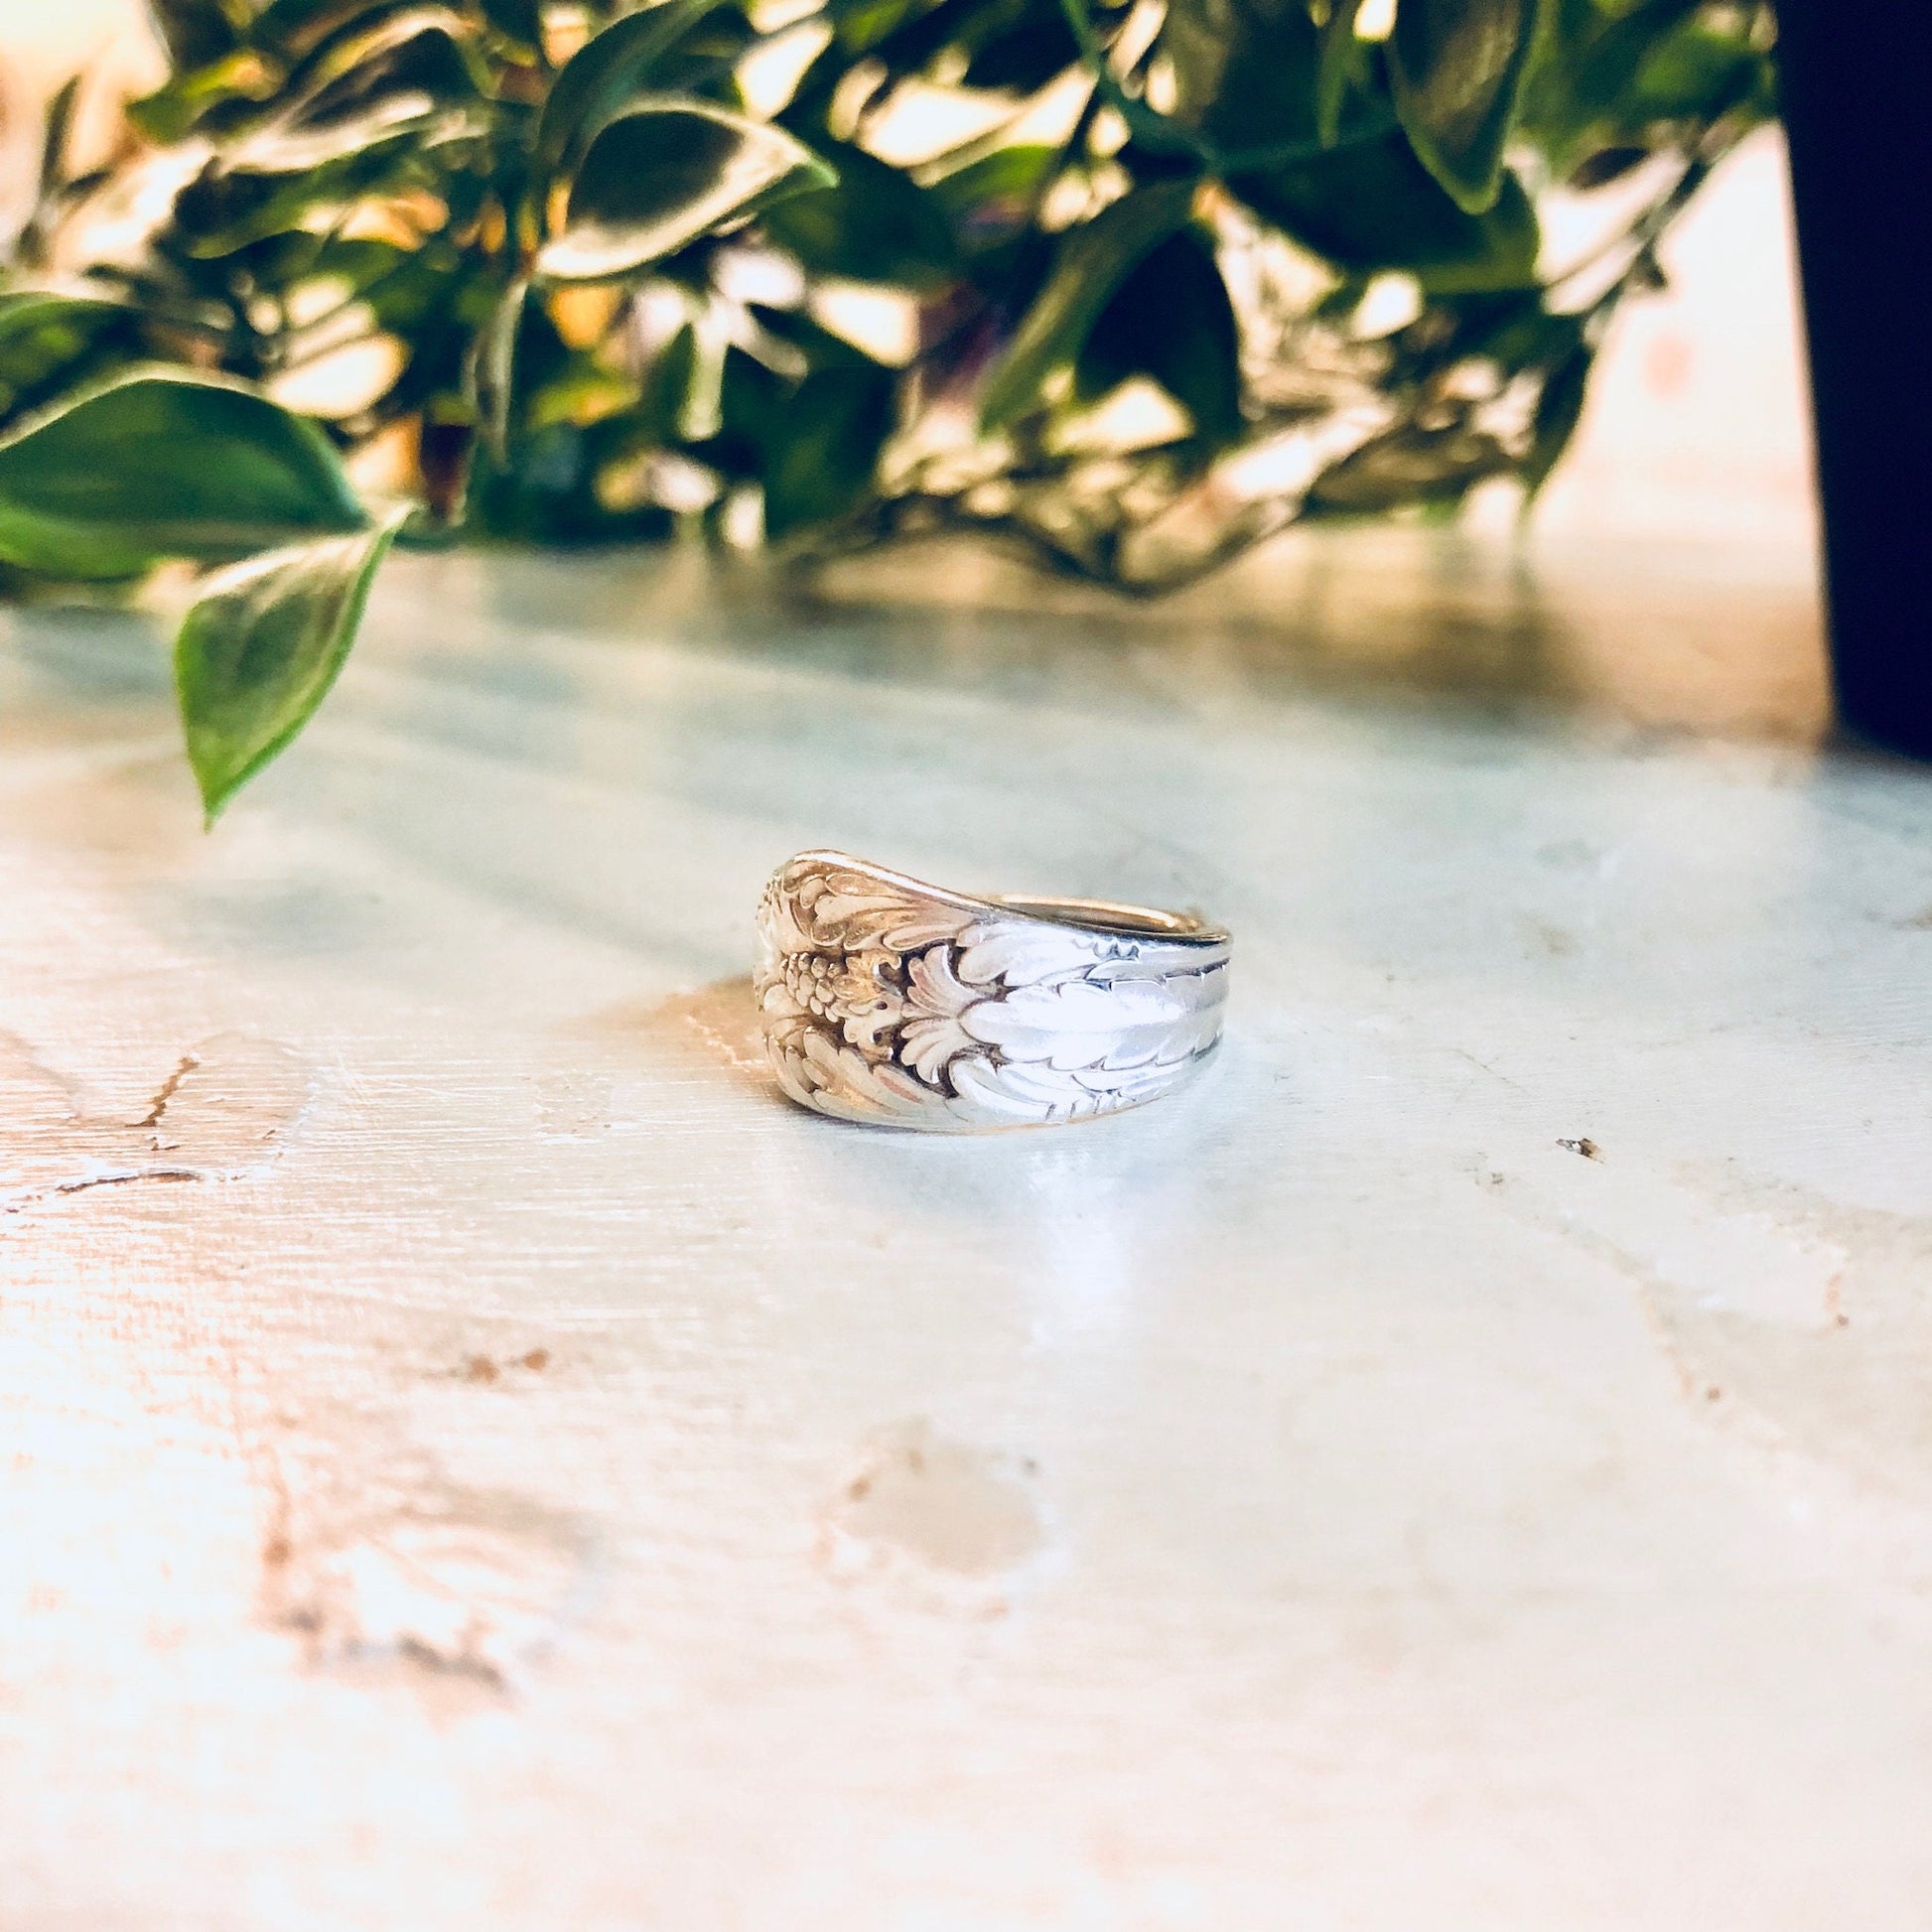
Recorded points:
924,1509
487,1369
467,1586
1796,1323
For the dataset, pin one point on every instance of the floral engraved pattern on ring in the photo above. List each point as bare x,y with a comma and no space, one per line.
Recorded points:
886,1001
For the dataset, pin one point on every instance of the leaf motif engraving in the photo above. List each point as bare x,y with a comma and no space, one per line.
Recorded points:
818,1073
937,1002
1083,1024
837,908
1025,952
1020,1095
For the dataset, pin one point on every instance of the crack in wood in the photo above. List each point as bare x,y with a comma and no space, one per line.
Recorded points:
167,1089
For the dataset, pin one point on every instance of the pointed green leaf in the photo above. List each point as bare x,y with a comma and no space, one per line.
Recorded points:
665,174
492,370
1581,93
1019,46
823,446
430,48
1408,465
195,32
990,199
278,181
1245,71
878,225
175,107
1371,205
351,144
165,463
1094,259
401,88
260,648
56,132
1336,62
1456,68
48,341
1171,319
298,28
519,21
605,73
1559,409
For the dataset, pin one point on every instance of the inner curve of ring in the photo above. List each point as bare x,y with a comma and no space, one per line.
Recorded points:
1140,922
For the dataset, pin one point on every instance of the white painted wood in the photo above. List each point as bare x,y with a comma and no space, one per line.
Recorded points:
474,1458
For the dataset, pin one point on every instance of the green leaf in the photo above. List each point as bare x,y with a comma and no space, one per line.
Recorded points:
1603,85
1408,465
668,386
279,180
1093,260
1371,205
1456,68
751,403
1559,409
600,78
820,348
29,316
492,371
1018,45
195,33
260,648
298,27
426,50
1695,74
165,463
1245,71
1340,56
56,132
824,447
876,224
518,21
44,335
861,25
665,174
1587,68
990,199
398,126
175,108
414,80
1171,319
1510,327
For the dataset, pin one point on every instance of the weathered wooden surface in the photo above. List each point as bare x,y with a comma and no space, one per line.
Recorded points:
474,1458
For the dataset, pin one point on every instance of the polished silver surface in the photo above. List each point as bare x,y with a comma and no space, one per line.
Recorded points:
905,1004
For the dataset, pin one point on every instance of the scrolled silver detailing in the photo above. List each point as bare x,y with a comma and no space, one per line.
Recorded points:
899,1003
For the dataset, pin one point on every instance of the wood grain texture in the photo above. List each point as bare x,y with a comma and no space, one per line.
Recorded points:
476,1458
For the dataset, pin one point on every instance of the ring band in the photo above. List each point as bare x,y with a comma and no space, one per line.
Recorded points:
899,1003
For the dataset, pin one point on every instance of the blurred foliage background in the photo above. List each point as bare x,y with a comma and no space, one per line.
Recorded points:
1132,282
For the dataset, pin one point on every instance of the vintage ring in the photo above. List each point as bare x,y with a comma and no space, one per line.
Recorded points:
904,1005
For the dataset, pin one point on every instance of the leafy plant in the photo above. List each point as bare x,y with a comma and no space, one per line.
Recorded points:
406,270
